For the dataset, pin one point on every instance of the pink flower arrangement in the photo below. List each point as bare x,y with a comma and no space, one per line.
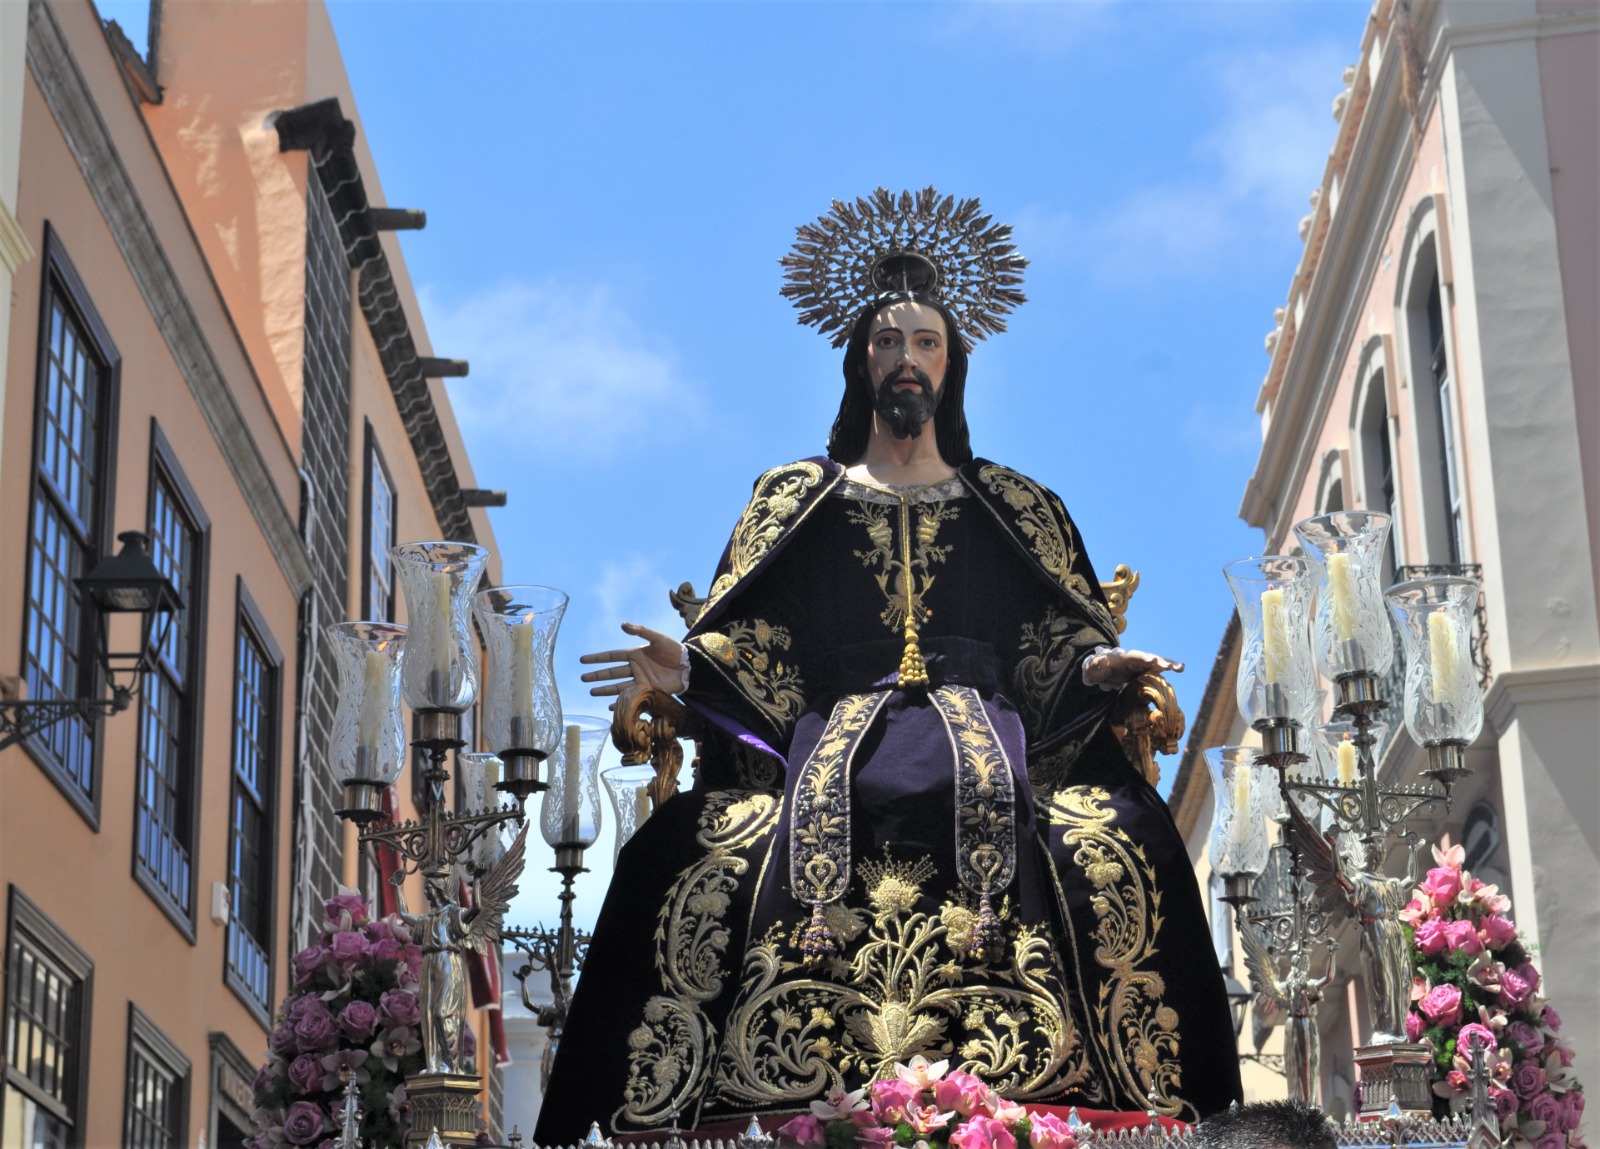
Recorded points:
1475,987
926,1105
353,1010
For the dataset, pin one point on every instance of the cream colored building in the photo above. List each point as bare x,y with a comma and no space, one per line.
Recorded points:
1438,358
210,340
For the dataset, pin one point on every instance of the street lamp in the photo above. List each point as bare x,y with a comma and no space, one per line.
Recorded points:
128,582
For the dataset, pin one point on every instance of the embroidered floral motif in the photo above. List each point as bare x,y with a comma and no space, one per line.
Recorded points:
907,988
819,823
670,1051
1043,522
986,828
1049,650
897,584
777,497
1138,1032
744,653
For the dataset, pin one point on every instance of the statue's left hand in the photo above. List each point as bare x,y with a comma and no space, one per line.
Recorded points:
661,663
1119,667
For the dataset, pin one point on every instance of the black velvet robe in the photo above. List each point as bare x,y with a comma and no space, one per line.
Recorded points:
898,818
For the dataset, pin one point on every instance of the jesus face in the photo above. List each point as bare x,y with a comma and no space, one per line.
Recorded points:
907,354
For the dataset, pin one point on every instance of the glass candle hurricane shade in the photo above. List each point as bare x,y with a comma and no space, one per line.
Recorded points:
522,709
1443,703
1276,679
441,672
1352,630
480,773
368,744
1238,844
629,787
570,817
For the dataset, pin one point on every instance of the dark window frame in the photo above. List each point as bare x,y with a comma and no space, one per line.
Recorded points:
53,943
372,459
161,1051
165,469
60,281
250,621
226,1058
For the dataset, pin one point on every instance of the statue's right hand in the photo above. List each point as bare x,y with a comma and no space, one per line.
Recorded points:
662,663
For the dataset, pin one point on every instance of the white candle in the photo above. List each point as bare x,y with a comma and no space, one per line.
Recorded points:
1347,763
1274,635
1442,653
1342,593
1239,831
522,733
444,637
569,786
374,710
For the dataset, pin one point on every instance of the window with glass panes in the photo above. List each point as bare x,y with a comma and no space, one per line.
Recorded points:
1444,386
72,432
158,1078
379,517
167,746
255,720
44,1033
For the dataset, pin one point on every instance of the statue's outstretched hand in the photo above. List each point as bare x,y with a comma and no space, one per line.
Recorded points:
1118,667
662,663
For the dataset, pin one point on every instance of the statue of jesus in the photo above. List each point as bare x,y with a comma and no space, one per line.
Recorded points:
912,831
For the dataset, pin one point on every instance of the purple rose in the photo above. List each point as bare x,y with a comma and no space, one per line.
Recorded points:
344,911
305,1073
385,950
1573,1101
1474,1034
413,966
1514,987
281,1041
378,930
399,1007
357,1020
304,1122
306,964
1551,1140
266,1075
1528,1079
1546,1107
1497,931
1530,975
1505,1103
1551,1018
350,947
1526,1038
316,1029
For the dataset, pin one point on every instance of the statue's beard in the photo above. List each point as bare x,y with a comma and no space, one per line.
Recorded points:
905,411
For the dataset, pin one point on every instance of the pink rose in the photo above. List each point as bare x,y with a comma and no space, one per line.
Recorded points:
1530,975
1050,1132
1474,1034
1505,1102
1514,987
344,911
1414,1026
348,948
1546,1107
802,1130
1443,885
1414,911
1431,936
358,1020
385,950
1442,1005
304,1122
891,1099
306,964
1551,1018
964,1093
1527,1037
305,1073
399,1007
316,1029
1462,936
1573,1101
982,1132
1497,931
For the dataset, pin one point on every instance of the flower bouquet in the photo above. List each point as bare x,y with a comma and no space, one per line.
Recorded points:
925,1106
1475,986
353,1010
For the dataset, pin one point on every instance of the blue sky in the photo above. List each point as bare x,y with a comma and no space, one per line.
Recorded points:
609,187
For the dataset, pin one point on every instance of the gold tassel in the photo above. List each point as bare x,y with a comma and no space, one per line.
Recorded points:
913,670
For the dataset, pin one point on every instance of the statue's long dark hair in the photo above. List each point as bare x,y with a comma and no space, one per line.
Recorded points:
847,442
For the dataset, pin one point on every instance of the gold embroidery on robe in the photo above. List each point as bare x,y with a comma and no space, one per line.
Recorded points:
669,1052
986,826
777,497
898,585
1048,650
1138,1032
743,652
819,822
910,987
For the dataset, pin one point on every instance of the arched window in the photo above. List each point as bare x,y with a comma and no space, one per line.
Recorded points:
1372,436
1330,486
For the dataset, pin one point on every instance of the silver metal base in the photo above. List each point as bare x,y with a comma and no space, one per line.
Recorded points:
1397,1073
1447,763
1236,891
361,803
447,1102
1357,688
521,774
1280,742
437,729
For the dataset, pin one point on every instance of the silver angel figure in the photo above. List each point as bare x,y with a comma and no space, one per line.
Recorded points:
446,932
1375,900
1295,995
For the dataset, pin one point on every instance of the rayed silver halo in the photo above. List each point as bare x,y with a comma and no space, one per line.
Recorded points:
919,242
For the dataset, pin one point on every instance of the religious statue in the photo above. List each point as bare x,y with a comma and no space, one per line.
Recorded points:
1295,995
912,831
446,931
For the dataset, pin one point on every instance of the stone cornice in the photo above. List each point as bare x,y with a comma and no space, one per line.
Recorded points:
67,94
1512,688
15,250
321,129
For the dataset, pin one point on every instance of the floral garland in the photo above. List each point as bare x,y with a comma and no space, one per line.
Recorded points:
925,1106
353,1009
1475,985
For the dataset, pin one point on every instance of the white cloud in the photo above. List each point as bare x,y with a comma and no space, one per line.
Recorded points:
558,368
633,589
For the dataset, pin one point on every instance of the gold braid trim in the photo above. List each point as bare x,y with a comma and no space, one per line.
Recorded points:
778,495
747,654
1138,1032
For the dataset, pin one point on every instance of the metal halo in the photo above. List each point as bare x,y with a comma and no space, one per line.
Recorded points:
845,259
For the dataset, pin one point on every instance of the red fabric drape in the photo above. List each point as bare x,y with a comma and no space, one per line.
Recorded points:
388,858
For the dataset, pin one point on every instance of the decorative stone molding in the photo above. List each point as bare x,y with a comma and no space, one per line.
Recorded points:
89,139
15,250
